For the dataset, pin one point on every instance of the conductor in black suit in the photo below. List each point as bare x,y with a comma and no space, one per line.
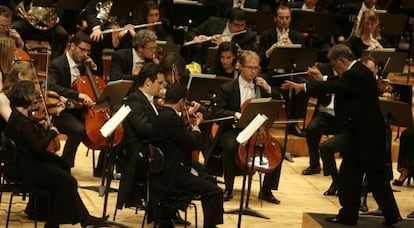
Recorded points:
231,97
222,29
279,36
365,152
180,175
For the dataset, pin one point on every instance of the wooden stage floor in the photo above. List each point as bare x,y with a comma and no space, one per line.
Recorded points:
298,194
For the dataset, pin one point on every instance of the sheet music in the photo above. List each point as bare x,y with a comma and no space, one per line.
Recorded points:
115,120
253,126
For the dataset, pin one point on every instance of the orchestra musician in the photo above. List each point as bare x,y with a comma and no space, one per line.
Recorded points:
63,71
6,17
28,29
7,57
366,5
270,39
180,176
231,97
127,63
358,105
222,29
41,169
226,60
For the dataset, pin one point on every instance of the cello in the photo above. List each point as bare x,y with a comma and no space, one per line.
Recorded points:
92,86
262,150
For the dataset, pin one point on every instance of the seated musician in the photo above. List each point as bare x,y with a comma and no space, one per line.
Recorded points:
231,97
222,29
6,17
367,36
51,31
226,59
127,63
180,176
63,71
41,169
7,57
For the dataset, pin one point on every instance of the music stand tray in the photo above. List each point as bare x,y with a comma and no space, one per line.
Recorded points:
113,94
396,59
392,24
267,106
320,23
290,57
201,87
397,113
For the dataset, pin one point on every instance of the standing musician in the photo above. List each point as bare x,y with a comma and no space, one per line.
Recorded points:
63,71
46,25
180,176
41,169
6,16
270,40
365,152
127,63
231,97
219,30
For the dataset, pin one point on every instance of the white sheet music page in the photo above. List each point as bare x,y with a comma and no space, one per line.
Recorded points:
253,126
115,120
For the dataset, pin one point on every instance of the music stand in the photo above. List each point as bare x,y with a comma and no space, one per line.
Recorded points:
390,61
168,48
308,21
292,58
188,13
269,108
392,24
125,8
403,91
211,59
111,97
260,21
204,87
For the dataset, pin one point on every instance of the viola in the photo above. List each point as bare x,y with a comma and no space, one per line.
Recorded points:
92,86
262,149
21,55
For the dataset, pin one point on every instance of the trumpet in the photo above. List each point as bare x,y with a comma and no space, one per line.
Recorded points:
209,38
135,26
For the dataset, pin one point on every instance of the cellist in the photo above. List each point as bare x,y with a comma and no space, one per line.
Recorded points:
231,97
63,71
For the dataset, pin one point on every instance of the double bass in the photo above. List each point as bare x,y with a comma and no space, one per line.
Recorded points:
92,86
262,150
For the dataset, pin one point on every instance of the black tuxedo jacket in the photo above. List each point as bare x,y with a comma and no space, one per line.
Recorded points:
356,103
137,134
59,78
269,37
121,67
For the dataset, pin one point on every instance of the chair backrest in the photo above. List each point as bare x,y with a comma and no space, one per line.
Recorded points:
8,154
156,160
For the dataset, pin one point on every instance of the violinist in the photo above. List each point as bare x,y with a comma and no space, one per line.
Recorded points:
40,169
7,55
127,63
6,17
231,97
63,71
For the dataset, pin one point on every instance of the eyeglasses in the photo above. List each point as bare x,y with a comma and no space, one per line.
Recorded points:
88,51
254,68
153,48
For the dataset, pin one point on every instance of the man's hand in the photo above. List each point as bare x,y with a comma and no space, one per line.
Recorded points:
86,100
259,81
96,35
315,73
296,86
16,36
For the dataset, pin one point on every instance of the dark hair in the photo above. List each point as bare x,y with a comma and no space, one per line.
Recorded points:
340,51
173,59
175,92
144,10
226,46
282,7
22,93
5,12
237,14
81,37
149,70
365,59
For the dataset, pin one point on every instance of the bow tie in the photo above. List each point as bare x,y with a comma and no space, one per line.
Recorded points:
249,86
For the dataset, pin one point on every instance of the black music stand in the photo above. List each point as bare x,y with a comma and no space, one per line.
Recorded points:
313,23
204,87
269,108
409,5
392,24
166,48
111,98
388,61
124,8
260,21
211,59
188,13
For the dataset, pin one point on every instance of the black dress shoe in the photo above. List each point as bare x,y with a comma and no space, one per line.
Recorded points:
311,170
331,190
363,204
411,215
94,221
339,220
51,225
227,195
294,129
391,222
269,197
176,218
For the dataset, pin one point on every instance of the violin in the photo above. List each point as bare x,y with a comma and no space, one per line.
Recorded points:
262,150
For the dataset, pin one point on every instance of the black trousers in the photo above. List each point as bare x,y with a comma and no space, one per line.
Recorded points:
229,146
68,123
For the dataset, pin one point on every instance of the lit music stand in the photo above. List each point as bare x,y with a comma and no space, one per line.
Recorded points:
111,98
204,87
313,23
270,108
389,61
